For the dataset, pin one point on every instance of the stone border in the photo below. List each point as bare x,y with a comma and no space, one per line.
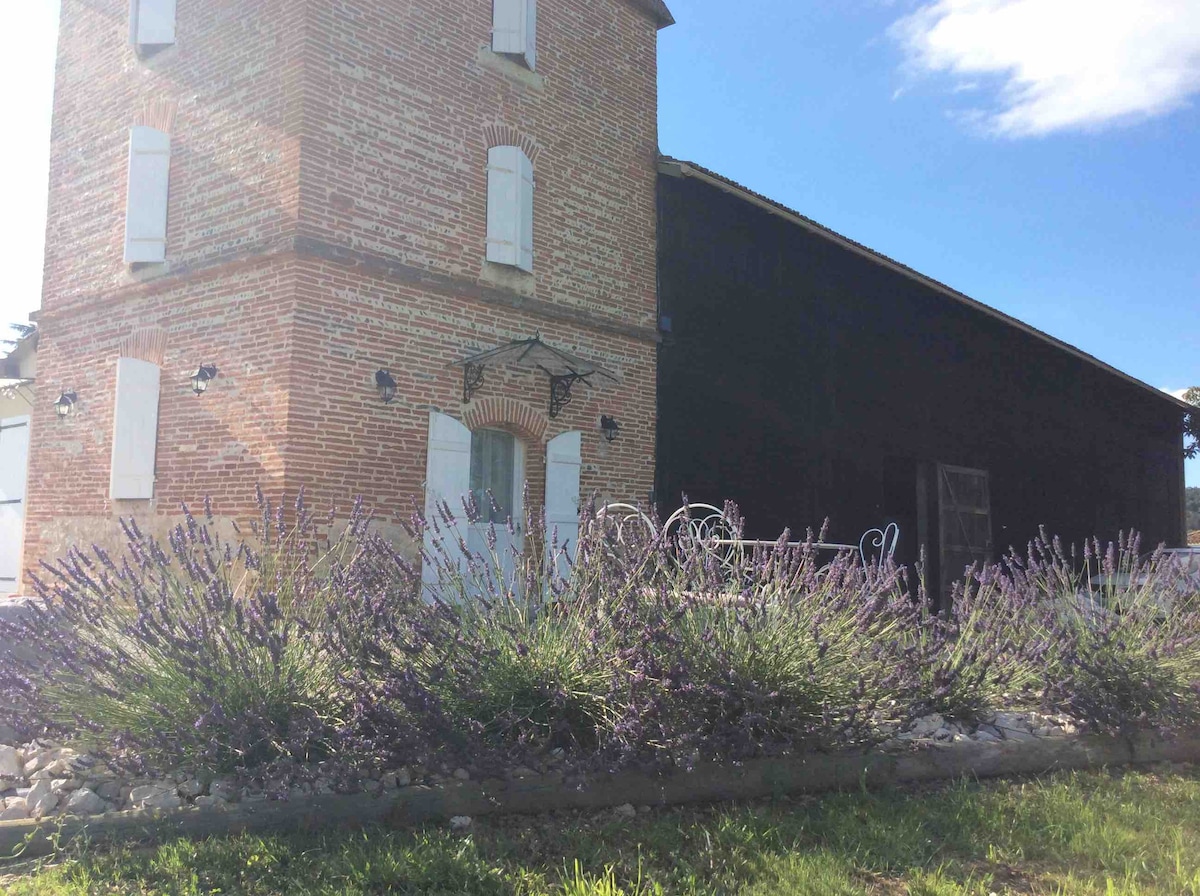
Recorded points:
813,773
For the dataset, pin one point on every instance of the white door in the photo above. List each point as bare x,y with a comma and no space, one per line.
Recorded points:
498,485
563,462
14,465
447,479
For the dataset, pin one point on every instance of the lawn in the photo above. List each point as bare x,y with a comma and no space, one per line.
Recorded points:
1081,833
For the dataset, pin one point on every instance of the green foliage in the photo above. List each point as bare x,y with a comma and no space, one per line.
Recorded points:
1193,509
1074,834
1191,424
216,667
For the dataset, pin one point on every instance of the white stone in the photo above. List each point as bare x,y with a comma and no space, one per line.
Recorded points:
985,737
15,810
462,774
1012,721
460,822
65,785
927,725
224,790
61,767
10,762
155,796
211,802
86,802
403,777
522,771
625,810
41,799
190,787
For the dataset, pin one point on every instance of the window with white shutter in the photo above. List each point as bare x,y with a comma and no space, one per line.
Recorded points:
563,463
135,430
514,29
146,200
447,479
151,23
510,207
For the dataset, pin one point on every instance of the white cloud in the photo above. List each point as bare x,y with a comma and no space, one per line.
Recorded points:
1061,64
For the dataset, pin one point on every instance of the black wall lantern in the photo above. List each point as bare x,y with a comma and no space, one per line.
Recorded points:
387,386
610,427
65,405
202,377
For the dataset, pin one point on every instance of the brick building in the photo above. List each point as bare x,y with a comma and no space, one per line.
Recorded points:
315,197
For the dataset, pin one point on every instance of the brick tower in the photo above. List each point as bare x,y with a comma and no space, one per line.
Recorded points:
321,199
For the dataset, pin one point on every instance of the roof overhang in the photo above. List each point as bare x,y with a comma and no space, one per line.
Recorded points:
680,168
657,9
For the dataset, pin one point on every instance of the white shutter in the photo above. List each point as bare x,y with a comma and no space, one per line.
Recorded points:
447,478
508,26
525,211
146,201
503,216
531,34
563,461
135,430
152,22
14,462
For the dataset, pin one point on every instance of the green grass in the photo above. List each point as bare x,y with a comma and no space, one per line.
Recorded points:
1085,833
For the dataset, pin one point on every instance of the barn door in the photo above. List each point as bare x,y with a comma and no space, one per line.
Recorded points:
965,521
14,462
447,479
563,461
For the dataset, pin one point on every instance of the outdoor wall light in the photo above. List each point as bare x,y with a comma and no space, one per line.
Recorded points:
202,377
65,404
611,427
387,386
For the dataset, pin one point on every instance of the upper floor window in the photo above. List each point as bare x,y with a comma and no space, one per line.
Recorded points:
510,207
514,29
146,201
151,23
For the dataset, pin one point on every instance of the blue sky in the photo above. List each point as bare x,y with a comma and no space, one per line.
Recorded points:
1039,155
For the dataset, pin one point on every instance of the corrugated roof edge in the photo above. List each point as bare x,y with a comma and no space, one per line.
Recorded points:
658,9
681,168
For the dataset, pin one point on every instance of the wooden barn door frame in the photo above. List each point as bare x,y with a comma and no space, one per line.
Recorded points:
948,501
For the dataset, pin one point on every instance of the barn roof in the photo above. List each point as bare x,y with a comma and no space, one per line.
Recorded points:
681,168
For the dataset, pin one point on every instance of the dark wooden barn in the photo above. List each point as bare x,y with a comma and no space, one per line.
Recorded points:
806,377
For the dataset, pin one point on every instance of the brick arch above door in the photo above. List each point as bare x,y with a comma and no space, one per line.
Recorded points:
524,420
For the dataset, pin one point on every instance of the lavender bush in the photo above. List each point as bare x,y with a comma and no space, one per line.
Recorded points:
197,653
308,639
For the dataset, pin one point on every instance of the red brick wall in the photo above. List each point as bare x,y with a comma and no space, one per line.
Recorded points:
398,115
327,218
238,316
231,86
345,441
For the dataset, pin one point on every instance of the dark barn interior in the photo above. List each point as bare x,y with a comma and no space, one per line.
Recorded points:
806,378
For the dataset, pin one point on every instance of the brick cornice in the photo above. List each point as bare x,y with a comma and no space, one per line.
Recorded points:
390,269
376,266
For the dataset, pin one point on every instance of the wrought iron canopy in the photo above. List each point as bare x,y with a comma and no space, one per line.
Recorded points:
563,368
